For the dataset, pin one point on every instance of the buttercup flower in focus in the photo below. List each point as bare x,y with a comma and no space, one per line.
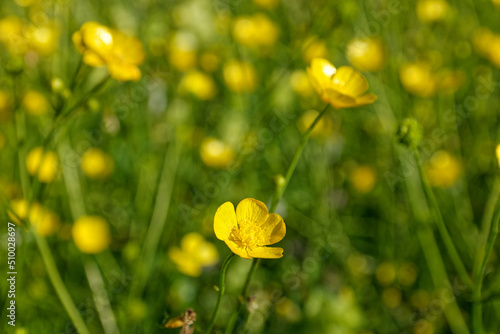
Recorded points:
103,46
248,230
341,87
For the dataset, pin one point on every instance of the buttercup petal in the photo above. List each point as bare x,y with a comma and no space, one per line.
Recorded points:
225,221
266,252
349,82
339,100
366,99
237,250
251,211
272,230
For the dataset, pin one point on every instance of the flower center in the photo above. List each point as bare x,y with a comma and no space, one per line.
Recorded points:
245,235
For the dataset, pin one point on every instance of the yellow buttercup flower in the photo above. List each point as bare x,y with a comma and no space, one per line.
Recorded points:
43,39
497,152
35,103
194,254
366,54
443,169
255,31
91,234
342,87
182,51
199,84
313,47
216,153
44,164
43,219
417,78
432,10
12,35
300,83
240,76
209,61
323,128
103,46
363,178
96,164
248,230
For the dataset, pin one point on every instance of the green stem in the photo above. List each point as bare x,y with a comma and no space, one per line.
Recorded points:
222,288
298,152
58,284
438,218
477,306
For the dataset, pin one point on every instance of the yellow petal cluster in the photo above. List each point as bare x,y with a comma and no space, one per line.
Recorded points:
43,164
432,10
20,37
255,31
194,254
35,103
487,44
199,84
443,169
323,128
342,88
44,220
182,51
216,153
96,164
103,46
420,79
240,76
366,54
248,230
91,234
363,178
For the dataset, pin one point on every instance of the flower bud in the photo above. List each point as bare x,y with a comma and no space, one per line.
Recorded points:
410,133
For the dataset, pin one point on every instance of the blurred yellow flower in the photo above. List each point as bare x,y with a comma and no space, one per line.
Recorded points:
417,78
248,230
20,210
496,2
497,152
6,104
450,81
366,54
385,273
44,164
443,169
96,164
267,4
487,44
313,47
43,219
240,76
300,83
432,10
91,234
103,46
363,178
323,128
391,297
407,274
255,31
12,35
35,103
199,84
216,153
342,87
43,39
182,51
194,254
209,61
